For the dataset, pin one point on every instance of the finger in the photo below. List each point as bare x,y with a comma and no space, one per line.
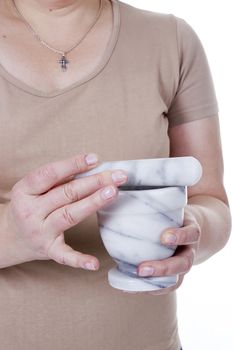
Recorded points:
72,214
179,263
181,236
62,253
76,190
45,177
63,181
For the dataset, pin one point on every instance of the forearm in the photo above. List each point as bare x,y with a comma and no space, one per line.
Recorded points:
214,219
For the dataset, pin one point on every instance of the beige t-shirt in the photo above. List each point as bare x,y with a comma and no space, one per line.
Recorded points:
154,72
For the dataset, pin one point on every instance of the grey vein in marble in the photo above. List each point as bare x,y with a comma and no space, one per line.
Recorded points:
130,229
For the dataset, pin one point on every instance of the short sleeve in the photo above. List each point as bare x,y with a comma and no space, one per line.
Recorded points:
195,97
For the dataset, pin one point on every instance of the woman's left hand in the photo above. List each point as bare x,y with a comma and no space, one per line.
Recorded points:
187,239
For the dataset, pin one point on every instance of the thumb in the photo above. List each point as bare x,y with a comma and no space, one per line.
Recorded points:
62,253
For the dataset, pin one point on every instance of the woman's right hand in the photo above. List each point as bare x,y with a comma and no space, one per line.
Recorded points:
46,202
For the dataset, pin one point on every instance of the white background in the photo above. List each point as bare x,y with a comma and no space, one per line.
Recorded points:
205,299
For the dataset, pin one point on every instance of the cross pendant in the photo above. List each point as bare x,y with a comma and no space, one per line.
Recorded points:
63,62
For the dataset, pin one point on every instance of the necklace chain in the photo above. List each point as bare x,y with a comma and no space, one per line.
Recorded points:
63,61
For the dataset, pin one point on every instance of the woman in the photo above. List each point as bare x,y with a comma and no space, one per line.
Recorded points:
110,80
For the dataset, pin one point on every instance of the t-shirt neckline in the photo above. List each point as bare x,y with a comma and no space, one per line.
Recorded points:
105,58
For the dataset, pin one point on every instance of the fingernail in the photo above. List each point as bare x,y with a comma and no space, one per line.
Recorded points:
91,158
89,266
119,176
146,271
169,238
108,192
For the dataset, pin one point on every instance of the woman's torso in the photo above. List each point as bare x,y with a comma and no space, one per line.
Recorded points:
116,109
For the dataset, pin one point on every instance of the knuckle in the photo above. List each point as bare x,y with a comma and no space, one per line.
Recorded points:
182,238
67,217
69,192
162,269
47,172
43,173
165,270
187,261
100,180
197,233
79,163
96,202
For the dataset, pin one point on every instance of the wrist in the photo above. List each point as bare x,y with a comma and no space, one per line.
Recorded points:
214,219
10,251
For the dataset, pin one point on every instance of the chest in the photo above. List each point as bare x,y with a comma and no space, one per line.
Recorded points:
117,114
32,63
117,123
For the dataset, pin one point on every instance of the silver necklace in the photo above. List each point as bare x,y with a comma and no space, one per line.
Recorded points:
63,59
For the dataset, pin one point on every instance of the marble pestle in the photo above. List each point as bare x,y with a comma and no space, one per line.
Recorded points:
156,172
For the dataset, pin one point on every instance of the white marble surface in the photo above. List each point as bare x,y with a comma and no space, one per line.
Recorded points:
176,171
151,200
130,228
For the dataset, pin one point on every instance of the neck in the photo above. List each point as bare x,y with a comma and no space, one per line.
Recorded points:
57,20
56,7
43,12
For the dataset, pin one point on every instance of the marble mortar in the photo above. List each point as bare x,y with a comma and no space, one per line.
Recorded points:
152,200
